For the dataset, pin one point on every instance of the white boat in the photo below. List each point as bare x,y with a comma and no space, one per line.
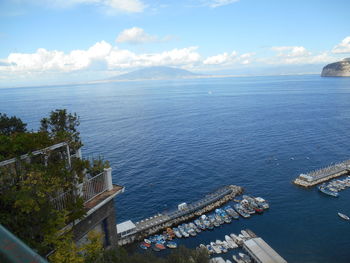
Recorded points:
237,239
177,232
232,244
221,246
147,241
225,245
263,202
237,259
215,247
210,249
245,258
242,237
183,232
245,234
343,216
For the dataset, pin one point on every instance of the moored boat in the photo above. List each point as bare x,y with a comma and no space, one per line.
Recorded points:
171,244
343,216
155,248
177,232
229,210
142,245
240,211
215,247
160,246
147,241
324,189
237,259
237,239
245,258
261,201
230,242
210,249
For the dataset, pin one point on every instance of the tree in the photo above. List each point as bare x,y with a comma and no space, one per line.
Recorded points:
11,125
29,187
62,126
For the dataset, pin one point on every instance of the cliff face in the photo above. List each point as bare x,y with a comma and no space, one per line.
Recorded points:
337,69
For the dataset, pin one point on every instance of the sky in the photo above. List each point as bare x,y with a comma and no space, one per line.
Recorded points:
63,41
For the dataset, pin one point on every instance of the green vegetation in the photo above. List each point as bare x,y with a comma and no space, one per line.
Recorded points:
28,186
11,125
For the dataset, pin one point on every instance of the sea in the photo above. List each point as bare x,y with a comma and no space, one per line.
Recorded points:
170,142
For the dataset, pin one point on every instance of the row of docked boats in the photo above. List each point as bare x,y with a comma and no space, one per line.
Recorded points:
335,186
250,205
239,258
231,241
160,242
247,206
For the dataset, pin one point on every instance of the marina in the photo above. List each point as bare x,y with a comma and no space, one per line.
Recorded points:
184,212
205,215
323,175
207,222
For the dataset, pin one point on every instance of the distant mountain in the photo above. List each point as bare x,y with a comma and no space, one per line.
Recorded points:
157,73
337,69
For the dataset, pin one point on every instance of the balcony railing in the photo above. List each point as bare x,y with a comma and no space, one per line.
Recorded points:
88,190
94,186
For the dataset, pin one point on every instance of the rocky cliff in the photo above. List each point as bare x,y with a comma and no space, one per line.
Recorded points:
337,69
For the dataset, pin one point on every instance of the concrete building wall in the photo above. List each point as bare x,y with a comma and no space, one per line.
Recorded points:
102,220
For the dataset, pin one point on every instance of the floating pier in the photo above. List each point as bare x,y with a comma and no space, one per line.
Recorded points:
185,212
323,175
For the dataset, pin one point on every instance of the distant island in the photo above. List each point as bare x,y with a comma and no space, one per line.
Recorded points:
157,73
337,69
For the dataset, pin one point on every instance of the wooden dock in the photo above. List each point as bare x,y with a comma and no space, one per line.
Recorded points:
323,175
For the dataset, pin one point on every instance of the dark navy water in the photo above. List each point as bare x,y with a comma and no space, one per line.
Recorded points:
175,141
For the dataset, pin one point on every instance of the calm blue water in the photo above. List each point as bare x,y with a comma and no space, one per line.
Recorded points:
175,141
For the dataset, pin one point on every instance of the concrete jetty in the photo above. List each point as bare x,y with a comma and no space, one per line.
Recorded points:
161,221
323,175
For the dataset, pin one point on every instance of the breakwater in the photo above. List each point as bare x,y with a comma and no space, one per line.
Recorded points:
154,224
322,175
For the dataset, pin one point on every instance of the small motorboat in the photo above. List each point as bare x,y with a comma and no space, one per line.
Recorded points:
143,246
237,239
171,244
245,258
155,249
160,246
210,249
215,247
343,216
147,241
237,259
230,242
177,232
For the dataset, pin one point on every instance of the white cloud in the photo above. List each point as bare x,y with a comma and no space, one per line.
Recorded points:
120,58
129,6
343,47
217,3
135,35
291,51
102,54
45,60
297,55
229,59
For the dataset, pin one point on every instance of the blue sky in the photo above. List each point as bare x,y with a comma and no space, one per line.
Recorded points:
44,41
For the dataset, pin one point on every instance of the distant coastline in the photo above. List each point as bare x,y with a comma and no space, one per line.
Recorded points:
214,76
